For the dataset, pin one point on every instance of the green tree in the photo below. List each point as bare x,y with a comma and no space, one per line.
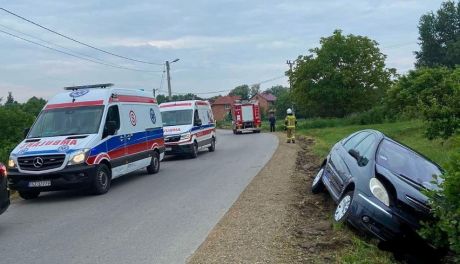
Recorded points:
242,91
277,90
440,105
10,100
13,121
255,89
346,74
34,105
440,37
161,98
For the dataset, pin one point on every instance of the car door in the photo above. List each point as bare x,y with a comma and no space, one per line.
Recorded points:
339,171
116,144
358,167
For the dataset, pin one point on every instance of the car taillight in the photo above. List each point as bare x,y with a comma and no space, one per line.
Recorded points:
3,171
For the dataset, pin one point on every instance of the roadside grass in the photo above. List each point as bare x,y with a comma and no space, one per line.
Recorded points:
410,133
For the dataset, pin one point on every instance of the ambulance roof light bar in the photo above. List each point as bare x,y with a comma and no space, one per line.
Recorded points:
90,86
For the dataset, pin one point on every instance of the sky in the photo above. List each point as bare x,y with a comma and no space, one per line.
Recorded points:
221,44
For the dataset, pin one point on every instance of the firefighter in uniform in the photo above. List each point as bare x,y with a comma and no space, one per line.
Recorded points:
290,123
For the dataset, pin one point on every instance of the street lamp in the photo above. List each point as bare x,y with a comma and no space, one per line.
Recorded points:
168,77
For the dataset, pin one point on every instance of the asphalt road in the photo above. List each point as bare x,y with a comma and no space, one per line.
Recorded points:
160,218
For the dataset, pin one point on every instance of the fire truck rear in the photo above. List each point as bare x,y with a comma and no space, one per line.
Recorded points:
246,117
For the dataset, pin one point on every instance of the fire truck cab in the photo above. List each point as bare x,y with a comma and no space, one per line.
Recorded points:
246,117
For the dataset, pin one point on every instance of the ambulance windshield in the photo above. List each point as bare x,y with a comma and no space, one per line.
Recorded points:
67,121
177,117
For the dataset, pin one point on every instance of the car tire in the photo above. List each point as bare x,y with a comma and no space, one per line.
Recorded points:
154,166
212,148
29,195
343,208
194,153
317,185
101,180
234,131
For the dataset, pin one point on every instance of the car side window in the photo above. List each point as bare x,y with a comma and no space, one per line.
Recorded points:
365,148
113,114
196,117
352,142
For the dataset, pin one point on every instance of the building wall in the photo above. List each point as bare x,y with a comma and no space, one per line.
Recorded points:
220,112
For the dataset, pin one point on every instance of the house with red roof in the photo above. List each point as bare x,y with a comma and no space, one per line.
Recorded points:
266,101
222,106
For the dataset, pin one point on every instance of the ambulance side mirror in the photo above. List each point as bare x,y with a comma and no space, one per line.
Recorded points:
110,128
26,132
198,122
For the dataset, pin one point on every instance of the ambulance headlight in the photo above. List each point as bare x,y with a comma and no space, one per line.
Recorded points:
11,163
185,136
79,157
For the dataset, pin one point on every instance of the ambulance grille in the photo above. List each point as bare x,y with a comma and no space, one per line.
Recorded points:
172,139
32,163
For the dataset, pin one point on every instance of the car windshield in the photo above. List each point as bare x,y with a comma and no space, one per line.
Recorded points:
406,163
177,117
67,121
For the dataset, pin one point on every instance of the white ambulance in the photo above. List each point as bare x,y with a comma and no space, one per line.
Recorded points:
188,126
85,137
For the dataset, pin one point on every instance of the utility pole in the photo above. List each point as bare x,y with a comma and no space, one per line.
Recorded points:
168,78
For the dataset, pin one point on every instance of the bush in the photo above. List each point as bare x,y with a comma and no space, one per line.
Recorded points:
445,203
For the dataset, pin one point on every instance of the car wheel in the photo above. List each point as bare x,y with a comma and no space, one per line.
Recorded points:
317,185
102,179
213,145
154,166
234,131
194,150
343,208
29,195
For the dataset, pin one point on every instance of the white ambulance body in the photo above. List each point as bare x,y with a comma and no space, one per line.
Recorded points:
188,126
85,137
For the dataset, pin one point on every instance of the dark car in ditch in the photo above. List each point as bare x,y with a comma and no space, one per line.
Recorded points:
378,184
4,192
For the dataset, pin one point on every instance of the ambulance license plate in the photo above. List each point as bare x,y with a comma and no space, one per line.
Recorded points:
39,183
168,149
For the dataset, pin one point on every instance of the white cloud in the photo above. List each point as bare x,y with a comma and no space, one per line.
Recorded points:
187,42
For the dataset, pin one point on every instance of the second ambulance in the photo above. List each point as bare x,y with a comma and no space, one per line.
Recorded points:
188,126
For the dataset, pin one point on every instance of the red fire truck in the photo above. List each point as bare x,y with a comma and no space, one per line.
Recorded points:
246,117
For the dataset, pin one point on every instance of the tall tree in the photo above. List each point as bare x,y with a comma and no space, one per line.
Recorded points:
34,105
242,91
440,37
255,89
10,100
277,90
346,74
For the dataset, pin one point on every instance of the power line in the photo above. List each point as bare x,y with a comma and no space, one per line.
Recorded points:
77,41
73,55
74,52
227,90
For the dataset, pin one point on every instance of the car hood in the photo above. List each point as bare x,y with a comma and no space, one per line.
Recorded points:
175,130
53,145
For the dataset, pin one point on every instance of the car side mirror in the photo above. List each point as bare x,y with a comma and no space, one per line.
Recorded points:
198,122
110,128
26,132
355,154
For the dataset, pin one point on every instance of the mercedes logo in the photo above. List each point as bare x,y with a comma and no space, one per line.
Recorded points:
38,162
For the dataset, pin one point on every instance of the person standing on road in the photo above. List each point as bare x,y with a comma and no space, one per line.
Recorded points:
272,121
290,122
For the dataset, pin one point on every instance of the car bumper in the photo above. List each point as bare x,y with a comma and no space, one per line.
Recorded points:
72,177
369,216
176,149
